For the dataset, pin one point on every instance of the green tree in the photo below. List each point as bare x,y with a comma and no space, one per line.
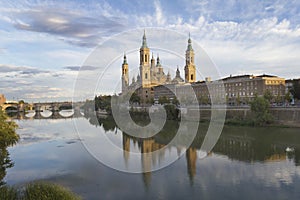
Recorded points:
278,99
21,102
238,100
175,101
103,102
163,100
150,101
135,98
260,108
268,96
288,97
8,137
296,89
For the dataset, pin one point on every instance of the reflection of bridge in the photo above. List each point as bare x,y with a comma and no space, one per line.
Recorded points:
46,114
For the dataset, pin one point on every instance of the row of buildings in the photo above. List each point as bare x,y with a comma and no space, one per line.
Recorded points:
234,90
152,82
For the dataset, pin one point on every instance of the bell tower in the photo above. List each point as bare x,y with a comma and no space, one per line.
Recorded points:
145,63
125,76
190,68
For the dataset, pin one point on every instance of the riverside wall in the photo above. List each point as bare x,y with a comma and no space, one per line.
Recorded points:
282,115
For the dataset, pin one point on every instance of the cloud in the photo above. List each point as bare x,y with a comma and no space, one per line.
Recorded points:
73,26
33,84
80,68
20,69
160,20
247,10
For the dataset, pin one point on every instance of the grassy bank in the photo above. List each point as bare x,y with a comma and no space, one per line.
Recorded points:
37,191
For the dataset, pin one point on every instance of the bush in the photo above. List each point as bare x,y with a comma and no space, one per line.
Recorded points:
8,135
47,191
8,193
260,108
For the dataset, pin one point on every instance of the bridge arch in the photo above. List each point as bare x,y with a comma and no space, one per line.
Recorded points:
9,107
65,107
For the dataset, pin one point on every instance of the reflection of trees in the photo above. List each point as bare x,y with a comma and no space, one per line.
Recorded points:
297,157
8,137
108,123
5,163
257,144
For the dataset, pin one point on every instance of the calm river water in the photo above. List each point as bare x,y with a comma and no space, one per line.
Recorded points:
246,163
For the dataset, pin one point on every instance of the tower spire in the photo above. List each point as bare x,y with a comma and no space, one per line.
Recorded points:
190,48
157,60
144,44
177,72
125,59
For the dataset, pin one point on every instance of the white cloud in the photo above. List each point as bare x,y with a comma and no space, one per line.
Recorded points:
160,20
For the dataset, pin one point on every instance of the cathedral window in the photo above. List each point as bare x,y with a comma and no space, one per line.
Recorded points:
146,75
192,77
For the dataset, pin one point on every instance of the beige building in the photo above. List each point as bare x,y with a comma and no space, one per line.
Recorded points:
242,89
235,90
239,90
152,72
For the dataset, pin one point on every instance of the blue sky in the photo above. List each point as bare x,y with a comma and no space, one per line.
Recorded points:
43,44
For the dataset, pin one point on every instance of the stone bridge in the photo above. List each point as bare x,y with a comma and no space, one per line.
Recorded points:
38,107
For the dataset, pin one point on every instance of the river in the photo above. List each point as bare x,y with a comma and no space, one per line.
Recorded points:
246,162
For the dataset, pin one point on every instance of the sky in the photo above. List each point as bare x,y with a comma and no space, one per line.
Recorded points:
46,46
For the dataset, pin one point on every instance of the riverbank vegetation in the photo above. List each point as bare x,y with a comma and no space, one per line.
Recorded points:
38,191
260,113
8,137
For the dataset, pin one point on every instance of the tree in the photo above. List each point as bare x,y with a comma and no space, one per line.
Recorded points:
175,101
21,102
238,100
8,137
150,101
260,108
296,89
278,99
163,100
268,96
103,102
135,98
288,97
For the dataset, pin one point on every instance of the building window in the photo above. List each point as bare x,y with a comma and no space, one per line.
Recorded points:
146,75
192,77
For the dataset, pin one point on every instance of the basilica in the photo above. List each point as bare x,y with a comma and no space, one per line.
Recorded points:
151,72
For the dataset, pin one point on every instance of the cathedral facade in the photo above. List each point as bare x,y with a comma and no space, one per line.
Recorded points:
151,72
